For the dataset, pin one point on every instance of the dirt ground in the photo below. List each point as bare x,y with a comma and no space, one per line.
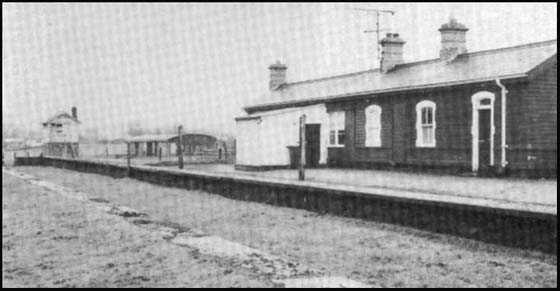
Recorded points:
373,253
53,241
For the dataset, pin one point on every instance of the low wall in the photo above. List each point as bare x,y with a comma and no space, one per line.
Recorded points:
522,229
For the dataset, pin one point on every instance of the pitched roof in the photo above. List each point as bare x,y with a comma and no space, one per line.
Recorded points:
504,63
151,138
61,115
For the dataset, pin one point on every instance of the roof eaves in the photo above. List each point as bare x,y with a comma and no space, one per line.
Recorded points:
277,105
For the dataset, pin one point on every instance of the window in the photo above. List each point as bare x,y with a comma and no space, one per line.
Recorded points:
373,126
426,124
337,135
58,127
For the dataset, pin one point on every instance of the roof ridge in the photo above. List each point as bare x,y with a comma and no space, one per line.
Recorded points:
476,53
525,45
59,114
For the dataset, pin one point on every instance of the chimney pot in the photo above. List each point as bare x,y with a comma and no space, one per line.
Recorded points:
75,112
277,75
391,52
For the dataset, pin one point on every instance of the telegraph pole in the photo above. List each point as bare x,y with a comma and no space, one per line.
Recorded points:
127,158
302,143
180,147
377,30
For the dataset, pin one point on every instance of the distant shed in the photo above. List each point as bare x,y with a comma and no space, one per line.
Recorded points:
150,145
193,144
196,143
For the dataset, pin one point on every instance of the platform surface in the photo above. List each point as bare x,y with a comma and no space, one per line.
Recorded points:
504,193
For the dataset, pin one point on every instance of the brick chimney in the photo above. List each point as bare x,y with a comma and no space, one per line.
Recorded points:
391,52
277,75
75,112
453,40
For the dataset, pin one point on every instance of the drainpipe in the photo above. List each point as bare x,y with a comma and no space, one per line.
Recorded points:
504,145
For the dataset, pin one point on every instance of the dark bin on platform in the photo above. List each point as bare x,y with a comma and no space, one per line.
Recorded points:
294,156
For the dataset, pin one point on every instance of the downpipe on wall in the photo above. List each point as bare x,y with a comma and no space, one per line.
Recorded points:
504,145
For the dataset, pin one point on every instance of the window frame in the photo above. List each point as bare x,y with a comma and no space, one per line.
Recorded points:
420,125
337,119
373,115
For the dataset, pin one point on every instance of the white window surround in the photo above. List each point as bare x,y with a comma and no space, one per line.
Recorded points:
429,124
336,127
373,126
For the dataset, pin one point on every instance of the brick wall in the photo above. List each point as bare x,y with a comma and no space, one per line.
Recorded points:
532,122
531,119
453,132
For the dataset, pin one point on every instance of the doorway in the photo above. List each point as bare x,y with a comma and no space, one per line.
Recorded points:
484,136
482,131
313,144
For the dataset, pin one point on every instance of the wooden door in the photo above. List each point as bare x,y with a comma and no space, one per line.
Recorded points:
484,138
313,144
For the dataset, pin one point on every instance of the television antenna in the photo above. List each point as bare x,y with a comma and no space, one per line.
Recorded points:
377,29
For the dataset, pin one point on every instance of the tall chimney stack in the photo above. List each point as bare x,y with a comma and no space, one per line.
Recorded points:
277,75
75,112
391,51
453,39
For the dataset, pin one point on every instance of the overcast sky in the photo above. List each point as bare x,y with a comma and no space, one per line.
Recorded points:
198,64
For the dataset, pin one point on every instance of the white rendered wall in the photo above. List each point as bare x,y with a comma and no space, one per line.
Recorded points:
264,142
247,142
